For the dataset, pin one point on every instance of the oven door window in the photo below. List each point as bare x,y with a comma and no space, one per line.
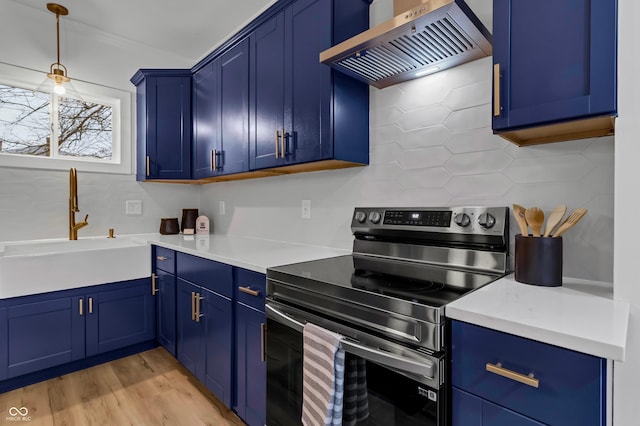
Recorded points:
393,399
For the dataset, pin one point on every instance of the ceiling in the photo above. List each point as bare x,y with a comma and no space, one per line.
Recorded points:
187,28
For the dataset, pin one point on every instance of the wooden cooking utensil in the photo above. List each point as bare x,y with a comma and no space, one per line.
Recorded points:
518,214
554,219
570,222
535,219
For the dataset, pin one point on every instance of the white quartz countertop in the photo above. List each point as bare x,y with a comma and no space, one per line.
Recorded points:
249,253
579,315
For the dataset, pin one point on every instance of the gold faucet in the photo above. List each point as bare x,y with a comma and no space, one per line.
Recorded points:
73,206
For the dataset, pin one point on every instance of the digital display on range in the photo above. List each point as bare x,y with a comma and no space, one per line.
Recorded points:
418,218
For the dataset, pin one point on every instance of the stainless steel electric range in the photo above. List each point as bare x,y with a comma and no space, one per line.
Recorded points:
388,299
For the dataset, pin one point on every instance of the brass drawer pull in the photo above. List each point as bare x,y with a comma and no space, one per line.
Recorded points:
497,108
528,380
161,258
80,306
198,315
154,288
247,290
91,305
193,306
148,166
283,151
277,144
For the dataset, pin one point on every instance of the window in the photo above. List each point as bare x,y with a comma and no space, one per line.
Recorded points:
43,124
88,128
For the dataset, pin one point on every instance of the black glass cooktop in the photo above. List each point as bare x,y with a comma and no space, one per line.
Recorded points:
411,281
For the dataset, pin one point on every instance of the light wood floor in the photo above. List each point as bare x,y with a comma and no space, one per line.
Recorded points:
150,388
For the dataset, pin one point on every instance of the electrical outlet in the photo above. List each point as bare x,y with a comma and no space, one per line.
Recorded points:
133,207
222,208
306,209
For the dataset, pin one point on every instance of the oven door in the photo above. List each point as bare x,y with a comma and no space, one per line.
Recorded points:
403,385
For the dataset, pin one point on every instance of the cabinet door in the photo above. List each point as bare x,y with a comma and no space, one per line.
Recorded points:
308,90
217,319
119,318
267,93
234,110
166,310
44,334
168,132
190,349
251,383
557,60
206,117
469,410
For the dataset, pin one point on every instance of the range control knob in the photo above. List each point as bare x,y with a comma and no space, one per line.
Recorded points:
486,220
462,219
375,217
360,216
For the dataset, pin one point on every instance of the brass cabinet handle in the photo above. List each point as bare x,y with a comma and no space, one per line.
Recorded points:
283,151
154,288
528,380
249,291
148,167
193,306
161,258
198,315
215,160
497,108
91,305
80,306
263,342
277,143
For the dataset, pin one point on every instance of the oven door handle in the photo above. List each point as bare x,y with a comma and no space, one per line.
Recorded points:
388,359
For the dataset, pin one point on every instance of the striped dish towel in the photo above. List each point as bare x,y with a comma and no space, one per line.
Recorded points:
322,377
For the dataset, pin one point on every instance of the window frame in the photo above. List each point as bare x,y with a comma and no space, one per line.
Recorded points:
119,100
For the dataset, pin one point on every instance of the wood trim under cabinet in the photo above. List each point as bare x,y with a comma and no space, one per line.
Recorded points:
580,129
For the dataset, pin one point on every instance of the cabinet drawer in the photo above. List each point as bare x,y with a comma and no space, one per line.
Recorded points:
571,385
215,276
165,259
251,288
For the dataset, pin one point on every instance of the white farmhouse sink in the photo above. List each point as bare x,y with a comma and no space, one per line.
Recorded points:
49,265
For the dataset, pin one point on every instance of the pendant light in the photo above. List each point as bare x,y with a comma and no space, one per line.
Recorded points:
57,71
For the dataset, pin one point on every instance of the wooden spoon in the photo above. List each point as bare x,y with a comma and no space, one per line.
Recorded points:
518,214
535,219
570,222
554,219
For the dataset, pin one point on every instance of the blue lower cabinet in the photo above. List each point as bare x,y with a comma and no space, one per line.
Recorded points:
120,317
251,380
48,330
469,410
44,333
542,382
216,318
165,292
205,336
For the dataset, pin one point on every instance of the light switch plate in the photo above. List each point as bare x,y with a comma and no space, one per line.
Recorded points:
133,207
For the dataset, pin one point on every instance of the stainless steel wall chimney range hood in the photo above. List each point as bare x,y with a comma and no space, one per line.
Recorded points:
424,37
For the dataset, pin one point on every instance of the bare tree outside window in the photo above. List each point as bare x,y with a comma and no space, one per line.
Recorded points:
82,129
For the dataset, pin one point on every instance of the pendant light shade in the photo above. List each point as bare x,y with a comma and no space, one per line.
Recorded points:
57,71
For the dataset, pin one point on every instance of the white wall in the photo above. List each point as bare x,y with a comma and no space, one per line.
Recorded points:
627,234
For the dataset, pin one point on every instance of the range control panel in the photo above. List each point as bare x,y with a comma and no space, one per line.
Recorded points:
465,220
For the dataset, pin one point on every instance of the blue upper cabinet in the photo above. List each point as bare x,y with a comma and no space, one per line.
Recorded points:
206,116
554,69
163,123
301,111
221,115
